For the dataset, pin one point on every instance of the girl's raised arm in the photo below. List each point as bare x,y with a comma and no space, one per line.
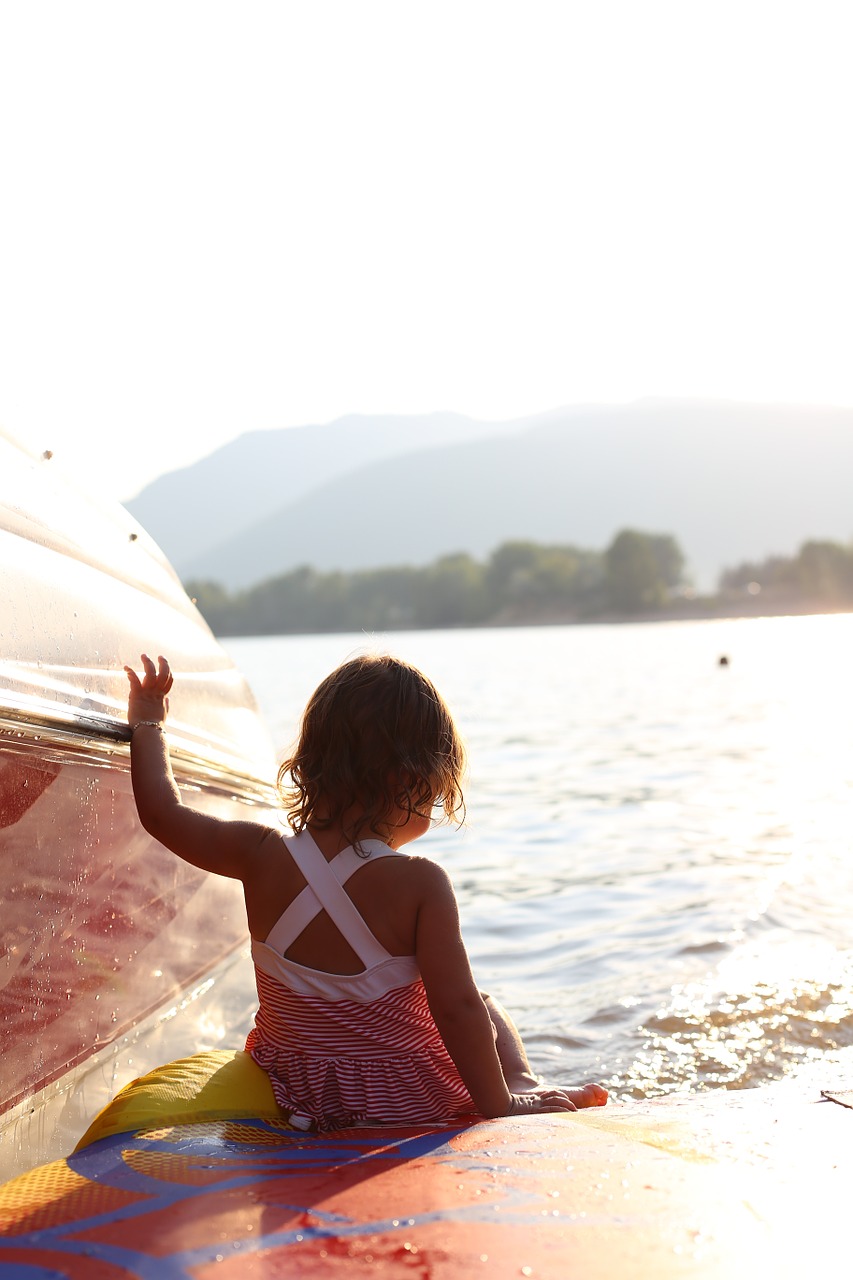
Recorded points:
226,848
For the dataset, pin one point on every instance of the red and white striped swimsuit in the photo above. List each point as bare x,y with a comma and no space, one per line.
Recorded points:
345,1049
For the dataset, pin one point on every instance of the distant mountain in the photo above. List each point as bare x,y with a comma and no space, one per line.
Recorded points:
730,481
192,511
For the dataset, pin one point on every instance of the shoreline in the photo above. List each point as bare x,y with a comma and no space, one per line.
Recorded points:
701,609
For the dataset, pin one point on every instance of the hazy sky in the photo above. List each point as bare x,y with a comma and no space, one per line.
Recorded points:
221,217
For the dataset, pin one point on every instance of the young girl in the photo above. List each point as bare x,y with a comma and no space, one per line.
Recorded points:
368,1009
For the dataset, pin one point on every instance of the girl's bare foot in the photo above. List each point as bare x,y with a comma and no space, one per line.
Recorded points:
590,1095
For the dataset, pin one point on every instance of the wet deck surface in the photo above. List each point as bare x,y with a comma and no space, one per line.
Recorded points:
714,1185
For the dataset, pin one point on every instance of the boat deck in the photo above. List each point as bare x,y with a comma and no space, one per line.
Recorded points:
721,1184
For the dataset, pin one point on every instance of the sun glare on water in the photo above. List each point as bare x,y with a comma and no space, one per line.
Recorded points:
781,998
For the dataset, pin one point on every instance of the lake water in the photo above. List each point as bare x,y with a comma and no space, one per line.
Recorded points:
656,873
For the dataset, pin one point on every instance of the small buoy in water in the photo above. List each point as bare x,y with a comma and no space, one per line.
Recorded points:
723,661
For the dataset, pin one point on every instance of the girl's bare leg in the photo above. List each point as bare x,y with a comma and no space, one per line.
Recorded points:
518,1073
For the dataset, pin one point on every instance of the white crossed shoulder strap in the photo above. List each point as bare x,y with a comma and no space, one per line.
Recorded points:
324,890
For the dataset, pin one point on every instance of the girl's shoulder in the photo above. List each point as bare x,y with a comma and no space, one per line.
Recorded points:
268,854
423,872
413,868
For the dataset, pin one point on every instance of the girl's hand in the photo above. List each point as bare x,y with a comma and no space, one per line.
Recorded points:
148,698
540,1100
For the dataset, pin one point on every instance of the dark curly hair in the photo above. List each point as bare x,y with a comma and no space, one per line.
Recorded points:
375,735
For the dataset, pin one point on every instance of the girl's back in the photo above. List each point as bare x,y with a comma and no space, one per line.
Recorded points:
386,892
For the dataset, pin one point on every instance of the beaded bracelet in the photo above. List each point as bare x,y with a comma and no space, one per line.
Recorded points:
147,724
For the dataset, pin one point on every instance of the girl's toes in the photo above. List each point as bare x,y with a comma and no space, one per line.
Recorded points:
591,1095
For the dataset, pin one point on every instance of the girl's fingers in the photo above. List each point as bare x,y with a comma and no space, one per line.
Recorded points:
559,1100
548,1101
157,677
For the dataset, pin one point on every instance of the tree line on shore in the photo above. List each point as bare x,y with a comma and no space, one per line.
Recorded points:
637,574
820,572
